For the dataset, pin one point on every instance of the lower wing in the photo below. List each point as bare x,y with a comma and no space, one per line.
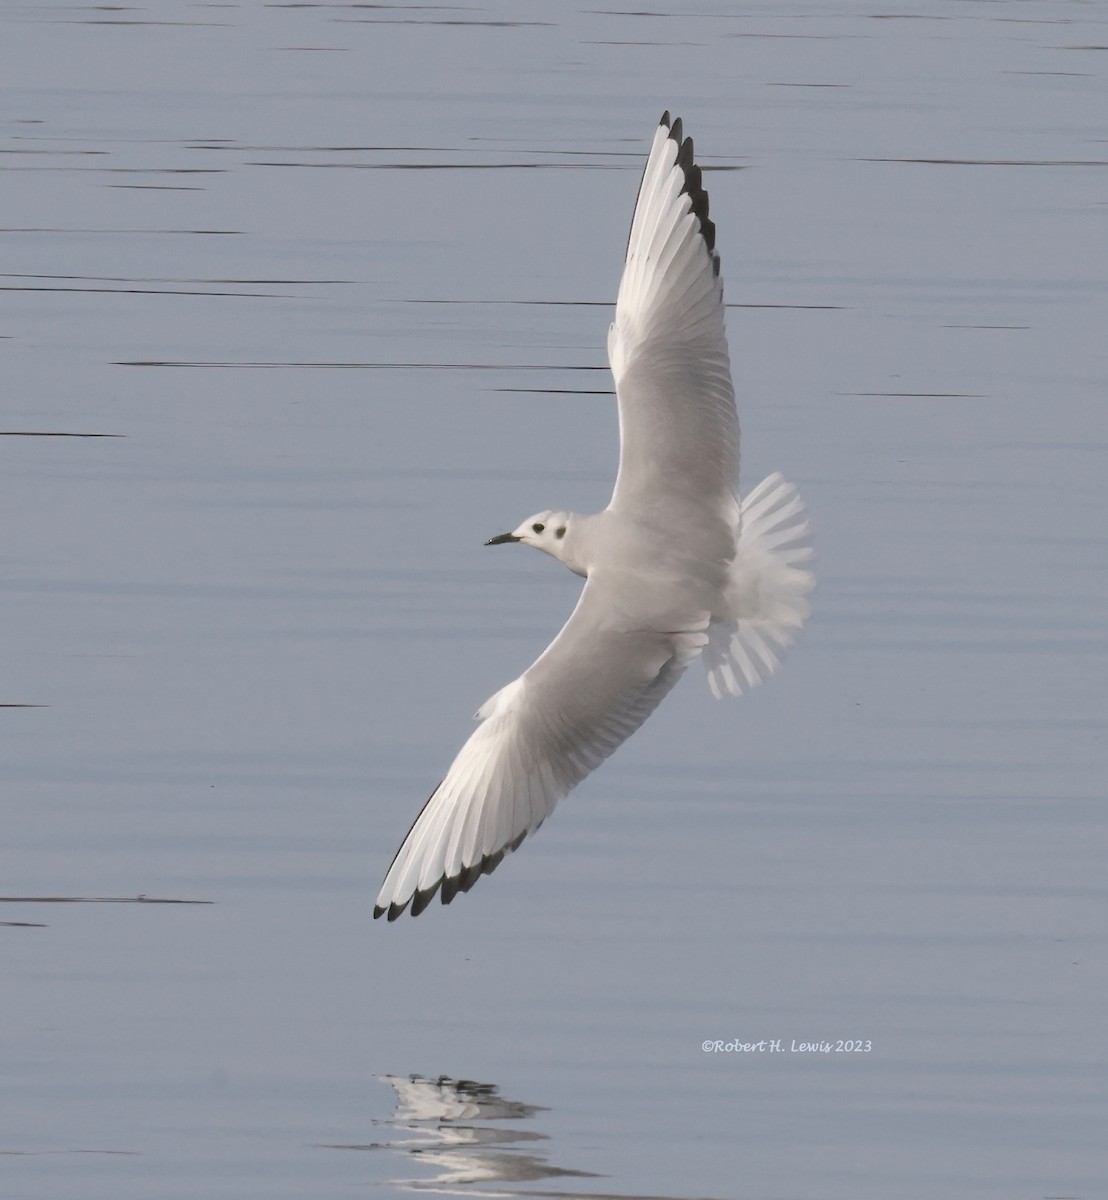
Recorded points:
592,687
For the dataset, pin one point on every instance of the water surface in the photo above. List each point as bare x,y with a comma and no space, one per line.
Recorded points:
300,304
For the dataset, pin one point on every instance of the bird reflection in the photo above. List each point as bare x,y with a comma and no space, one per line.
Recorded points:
446,1123
451,1126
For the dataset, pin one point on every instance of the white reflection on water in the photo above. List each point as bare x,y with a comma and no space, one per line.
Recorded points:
447,1123
443,1123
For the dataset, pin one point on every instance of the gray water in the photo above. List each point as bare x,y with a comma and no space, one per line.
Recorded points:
301,303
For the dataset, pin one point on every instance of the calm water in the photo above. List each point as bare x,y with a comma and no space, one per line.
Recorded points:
302,302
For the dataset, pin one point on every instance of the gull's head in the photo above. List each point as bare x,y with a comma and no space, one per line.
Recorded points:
546,531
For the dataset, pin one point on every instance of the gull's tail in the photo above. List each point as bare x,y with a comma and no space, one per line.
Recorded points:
769,582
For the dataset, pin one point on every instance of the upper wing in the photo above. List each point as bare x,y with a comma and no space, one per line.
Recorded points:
679,432
592,687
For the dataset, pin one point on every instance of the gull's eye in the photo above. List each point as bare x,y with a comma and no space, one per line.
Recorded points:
538,527
560,532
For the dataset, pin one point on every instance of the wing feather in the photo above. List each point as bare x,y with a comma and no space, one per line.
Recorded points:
583,697
679,431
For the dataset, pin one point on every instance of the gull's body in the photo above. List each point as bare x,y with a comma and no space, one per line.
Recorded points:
677,566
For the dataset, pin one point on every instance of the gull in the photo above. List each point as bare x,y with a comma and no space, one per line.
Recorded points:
677,567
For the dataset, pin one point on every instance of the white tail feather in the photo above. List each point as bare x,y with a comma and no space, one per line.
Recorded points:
769,584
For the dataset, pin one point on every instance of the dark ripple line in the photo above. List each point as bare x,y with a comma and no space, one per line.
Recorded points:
611,304
460,166
263,149
92,291
55,433
29,151
41,1153
362,366
410,21
124,170
96,900
156,187
128,232
931,395
118,21
995,162
159,279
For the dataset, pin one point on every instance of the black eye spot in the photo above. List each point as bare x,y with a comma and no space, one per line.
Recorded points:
538,527
560,532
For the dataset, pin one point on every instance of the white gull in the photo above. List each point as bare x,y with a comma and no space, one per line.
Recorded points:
677,566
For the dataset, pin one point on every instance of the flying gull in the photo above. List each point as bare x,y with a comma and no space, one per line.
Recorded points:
677,567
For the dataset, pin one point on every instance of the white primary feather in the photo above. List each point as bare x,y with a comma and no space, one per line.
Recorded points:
679,431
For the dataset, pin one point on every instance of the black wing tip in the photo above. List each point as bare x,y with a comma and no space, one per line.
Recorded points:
694,185
450,886
423,897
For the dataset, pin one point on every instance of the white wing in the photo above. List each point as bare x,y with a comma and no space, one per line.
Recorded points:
541,735
679,432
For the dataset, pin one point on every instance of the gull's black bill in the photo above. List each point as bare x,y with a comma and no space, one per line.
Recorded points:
502,538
